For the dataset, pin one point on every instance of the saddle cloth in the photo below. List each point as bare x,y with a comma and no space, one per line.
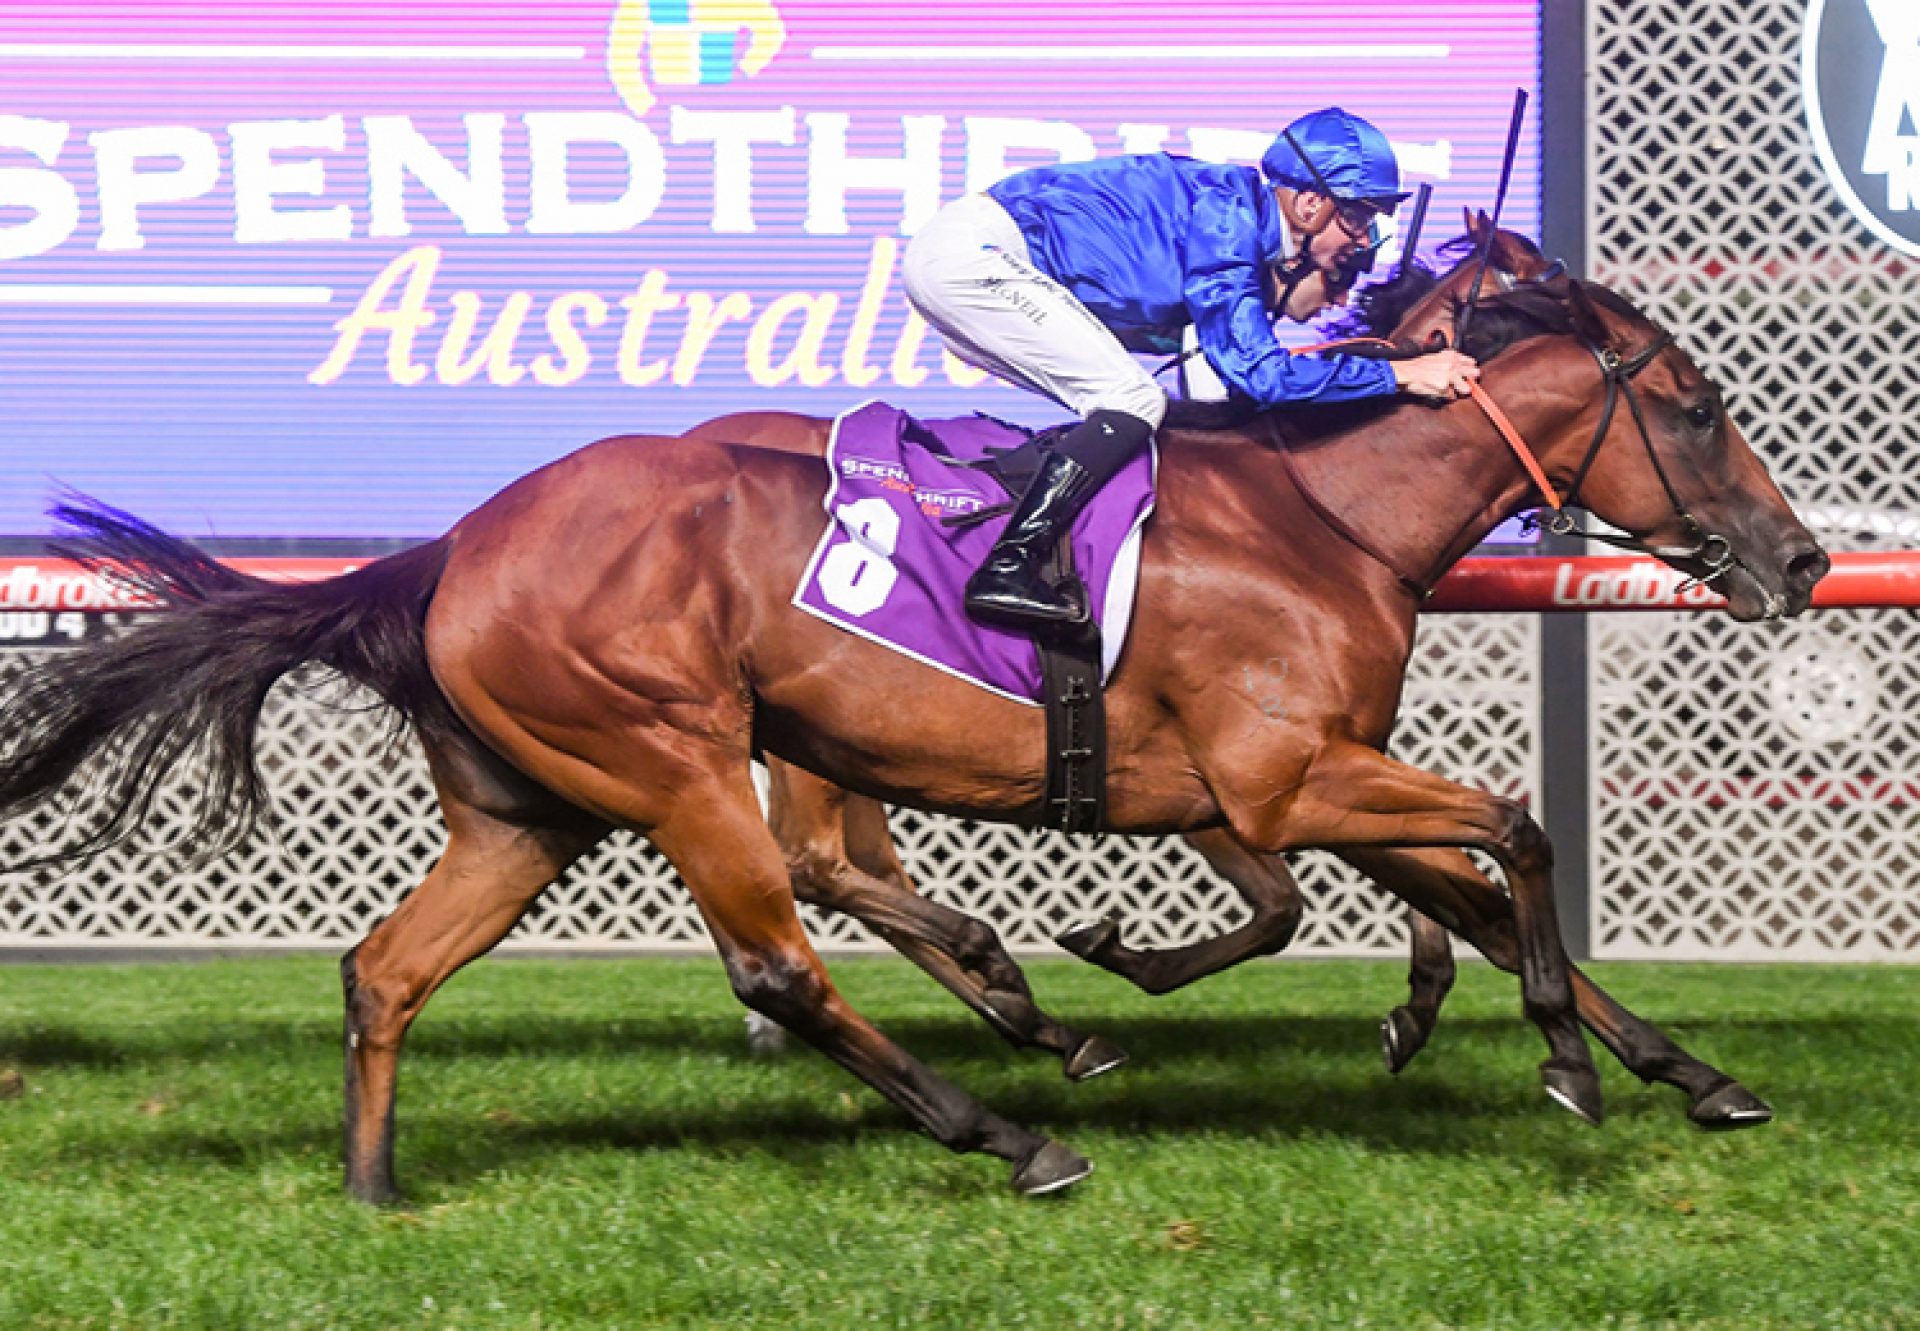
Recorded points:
889,569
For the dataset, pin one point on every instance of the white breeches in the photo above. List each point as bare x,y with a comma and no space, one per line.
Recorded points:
968,272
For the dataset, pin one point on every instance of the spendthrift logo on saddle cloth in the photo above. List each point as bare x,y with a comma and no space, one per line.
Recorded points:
890,568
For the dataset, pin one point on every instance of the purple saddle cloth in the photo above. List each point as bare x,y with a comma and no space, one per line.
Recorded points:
889,569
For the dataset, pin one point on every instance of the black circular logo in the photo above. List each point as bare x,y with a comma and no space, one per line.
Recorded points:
1860,71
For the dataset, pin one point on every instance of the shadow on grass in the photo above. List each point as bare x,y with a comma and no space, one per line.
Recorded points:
441,1151
1157,1039
59,1046
1473,1095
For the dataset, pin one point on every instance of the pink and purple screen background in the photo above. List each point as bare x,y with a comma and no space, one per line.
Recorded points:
203,418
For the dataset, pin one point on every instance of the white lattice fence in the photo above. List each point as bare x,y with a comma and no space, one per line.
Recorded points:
1754,788
1760,795
355,827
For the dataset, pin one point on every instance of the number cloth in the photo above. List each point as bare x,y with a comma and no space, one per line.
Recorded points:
889,569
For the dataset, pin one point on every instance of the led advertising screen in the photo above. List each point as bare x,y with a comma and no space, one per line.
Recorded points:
337,269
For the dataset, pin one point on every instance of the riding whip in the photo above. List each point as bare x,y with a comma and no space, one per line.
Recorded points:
1485,252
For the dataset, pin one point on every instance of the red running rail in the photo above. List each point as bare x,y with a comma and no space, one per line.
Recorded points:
1521,583
1626,582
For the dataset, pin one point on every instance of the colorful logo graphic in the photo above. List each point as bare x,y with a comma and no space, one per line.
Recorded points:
682,42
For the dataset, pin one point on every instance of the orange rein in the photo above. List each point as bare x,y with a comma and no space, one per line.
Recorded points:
1517,444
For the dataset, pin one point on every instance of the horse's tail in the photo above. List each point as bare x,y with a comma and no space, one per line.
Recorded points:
190,683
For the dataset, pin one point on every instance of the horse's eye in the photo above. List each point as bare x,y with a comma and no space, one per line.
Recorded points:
1701,415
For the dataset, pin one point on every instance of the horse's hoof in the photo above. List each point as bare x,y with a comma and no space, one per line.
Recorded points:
1732,1106
1577,1090
1050,1169
1090,939
1096,1055
1401,1037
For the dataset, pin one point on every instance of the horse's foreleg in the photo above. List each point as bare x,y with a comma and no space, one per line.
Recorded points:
965,956
1354,798
1430,975
1450,886
1714,1100
841,857
493,868
713,834
1263,881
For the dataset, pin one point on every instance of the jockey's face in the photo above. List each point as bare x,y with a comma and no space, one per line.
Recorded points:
1338,231
1334,233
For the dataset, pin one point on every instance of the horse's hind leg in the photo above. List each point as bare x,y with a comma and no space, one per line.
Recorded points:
1448,885
506,842
1266,884
731,863
841,857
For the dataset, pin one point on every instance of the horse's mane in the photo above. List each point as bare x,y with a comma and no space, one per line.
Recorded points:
1534,310
1379,307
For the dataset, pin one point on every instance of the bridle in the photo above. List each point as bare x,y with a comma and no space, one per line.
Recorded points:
1506,280
1617,372
1710,549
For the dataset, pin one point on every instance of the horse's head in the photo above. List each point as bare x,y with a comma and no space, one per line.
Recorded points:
1654,453
1511,257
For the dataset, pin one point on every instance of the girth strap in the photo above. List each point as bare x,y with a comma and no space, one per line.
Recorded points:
1075,703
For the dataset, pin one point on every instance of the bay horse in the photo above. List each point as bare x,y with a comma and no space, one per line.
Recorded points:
609,641
840,851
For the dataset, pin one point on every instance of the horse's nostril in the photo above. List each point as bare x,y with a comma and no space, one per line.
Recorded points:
1808,567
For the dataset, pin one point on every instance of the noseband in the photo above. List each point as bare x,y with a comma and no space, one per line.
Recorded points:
1708,548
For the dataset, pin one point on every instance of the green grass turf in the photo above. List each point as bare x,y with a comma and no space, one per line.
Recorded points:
588,1144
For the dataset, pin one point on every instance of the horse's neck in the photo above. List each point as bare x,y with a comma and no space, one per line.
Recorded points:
1423,486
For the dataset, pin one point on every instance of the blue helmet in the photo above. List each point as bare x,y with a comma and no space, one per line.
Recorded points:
1352,157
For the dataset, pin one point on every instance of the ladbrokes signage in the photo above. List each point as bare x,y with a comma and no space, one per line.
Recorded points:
1861,75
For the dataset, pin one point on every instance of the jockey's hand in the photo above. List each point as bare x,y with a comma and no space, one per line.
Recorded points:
1439,376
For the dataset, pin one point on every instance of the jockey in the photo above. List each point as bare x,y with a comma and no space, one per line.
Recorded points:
1051,276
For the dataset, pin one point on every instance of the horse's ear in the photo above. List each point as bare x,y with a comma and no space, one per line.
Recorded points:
1471,221
1587,320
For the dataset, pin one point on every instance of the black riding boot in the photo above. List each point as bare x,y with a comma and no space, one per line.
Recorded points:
1009,588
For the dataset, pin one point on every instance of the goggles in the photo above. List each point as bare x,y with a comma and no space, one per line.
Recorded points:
1358,219
1374,229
